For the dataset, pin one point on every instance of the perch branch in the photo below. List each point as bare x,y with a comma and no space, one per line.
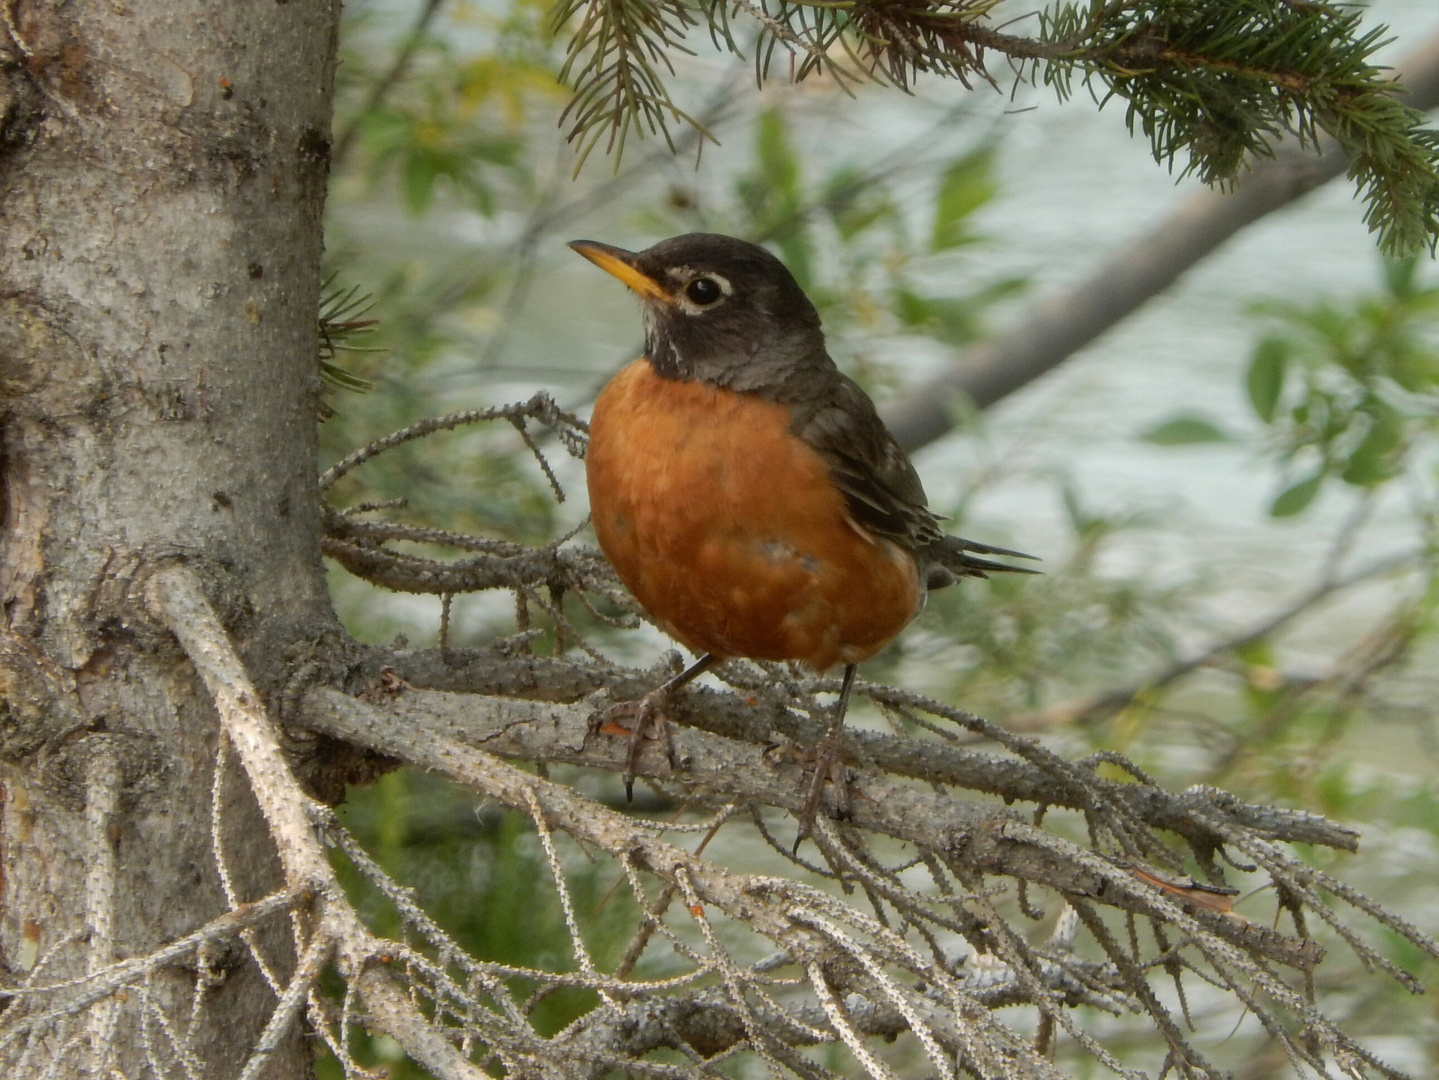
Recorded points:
780,909
498,673
441,732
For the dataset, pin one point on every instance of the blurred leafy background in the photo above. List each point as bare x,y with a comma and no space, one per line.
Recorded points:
1234,494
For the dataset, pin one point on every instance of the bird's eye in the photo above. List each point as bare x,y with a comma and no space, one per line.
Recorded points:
703,291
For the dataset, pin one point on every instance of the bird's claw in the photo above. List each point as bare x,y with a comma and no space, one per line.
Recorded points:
827,764
647,718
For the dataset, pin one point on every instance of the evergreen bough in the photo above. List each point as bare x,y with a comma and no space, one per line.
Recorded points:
1211,83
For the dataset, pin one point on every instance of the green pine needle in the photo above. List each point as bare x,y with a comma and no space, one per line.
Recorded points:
1211,83
341,322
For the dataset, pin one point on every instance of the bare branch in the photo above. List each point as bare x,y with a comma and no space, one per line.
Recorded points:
107,980
176,595
291,1002
179,600
540,407
436,731
393,1012
102,797
520,729
401,572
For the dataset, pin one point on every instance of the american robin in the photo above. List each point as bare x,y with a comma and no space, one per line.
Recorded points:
745,490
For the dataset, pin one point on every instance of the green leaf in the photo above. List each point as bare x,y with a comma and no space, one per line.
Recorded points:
994,291
1296,497
911,308
854,203
777,162
967,185
417,181
1256,653
1266,376
386,130
957,321
1400,276
1185,430
1371,463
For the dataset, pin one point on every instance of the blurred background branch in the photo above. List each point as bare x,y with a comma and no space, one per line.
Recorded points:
1145,267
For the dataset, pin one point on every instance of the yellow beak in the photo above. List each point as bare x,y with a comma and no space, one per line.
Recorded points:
621,264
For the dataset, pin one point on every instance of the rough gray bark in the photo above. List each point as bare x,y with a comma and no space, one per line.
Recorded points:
162,177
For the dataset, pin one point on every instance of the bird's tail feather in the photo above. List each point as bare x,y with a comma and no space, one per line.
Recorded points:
952,557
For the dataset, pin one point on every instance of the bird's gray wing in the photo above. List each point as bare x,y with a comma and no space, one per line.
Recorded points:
881,488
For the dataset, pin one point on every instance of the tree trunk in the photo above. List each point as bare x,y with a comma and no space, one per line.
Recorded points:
162,179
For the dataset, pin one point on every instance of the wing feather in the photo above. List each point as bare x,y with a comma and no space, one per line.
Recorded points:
881,488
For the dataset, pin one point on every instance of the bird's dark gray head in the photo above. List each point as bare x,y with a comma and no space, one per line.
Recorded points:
719,310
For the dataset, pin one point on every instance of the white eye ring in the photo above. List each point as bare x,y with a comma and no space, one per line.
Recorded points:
703,291
688,277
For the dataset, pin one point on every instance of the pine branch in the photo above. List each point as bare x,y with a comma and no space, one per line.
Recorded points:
612,58
1213,84
1219,81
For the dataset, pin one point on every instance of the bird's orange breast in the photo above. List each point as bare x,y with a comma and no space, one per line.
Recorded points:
728,529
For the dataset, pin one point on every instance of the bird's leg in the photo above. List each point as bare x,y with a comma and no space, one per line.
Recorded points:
649,713
828,763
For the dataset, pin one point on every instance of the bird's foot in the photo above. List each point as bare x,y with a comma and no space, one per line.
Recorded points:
646,719
649,719
828,766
